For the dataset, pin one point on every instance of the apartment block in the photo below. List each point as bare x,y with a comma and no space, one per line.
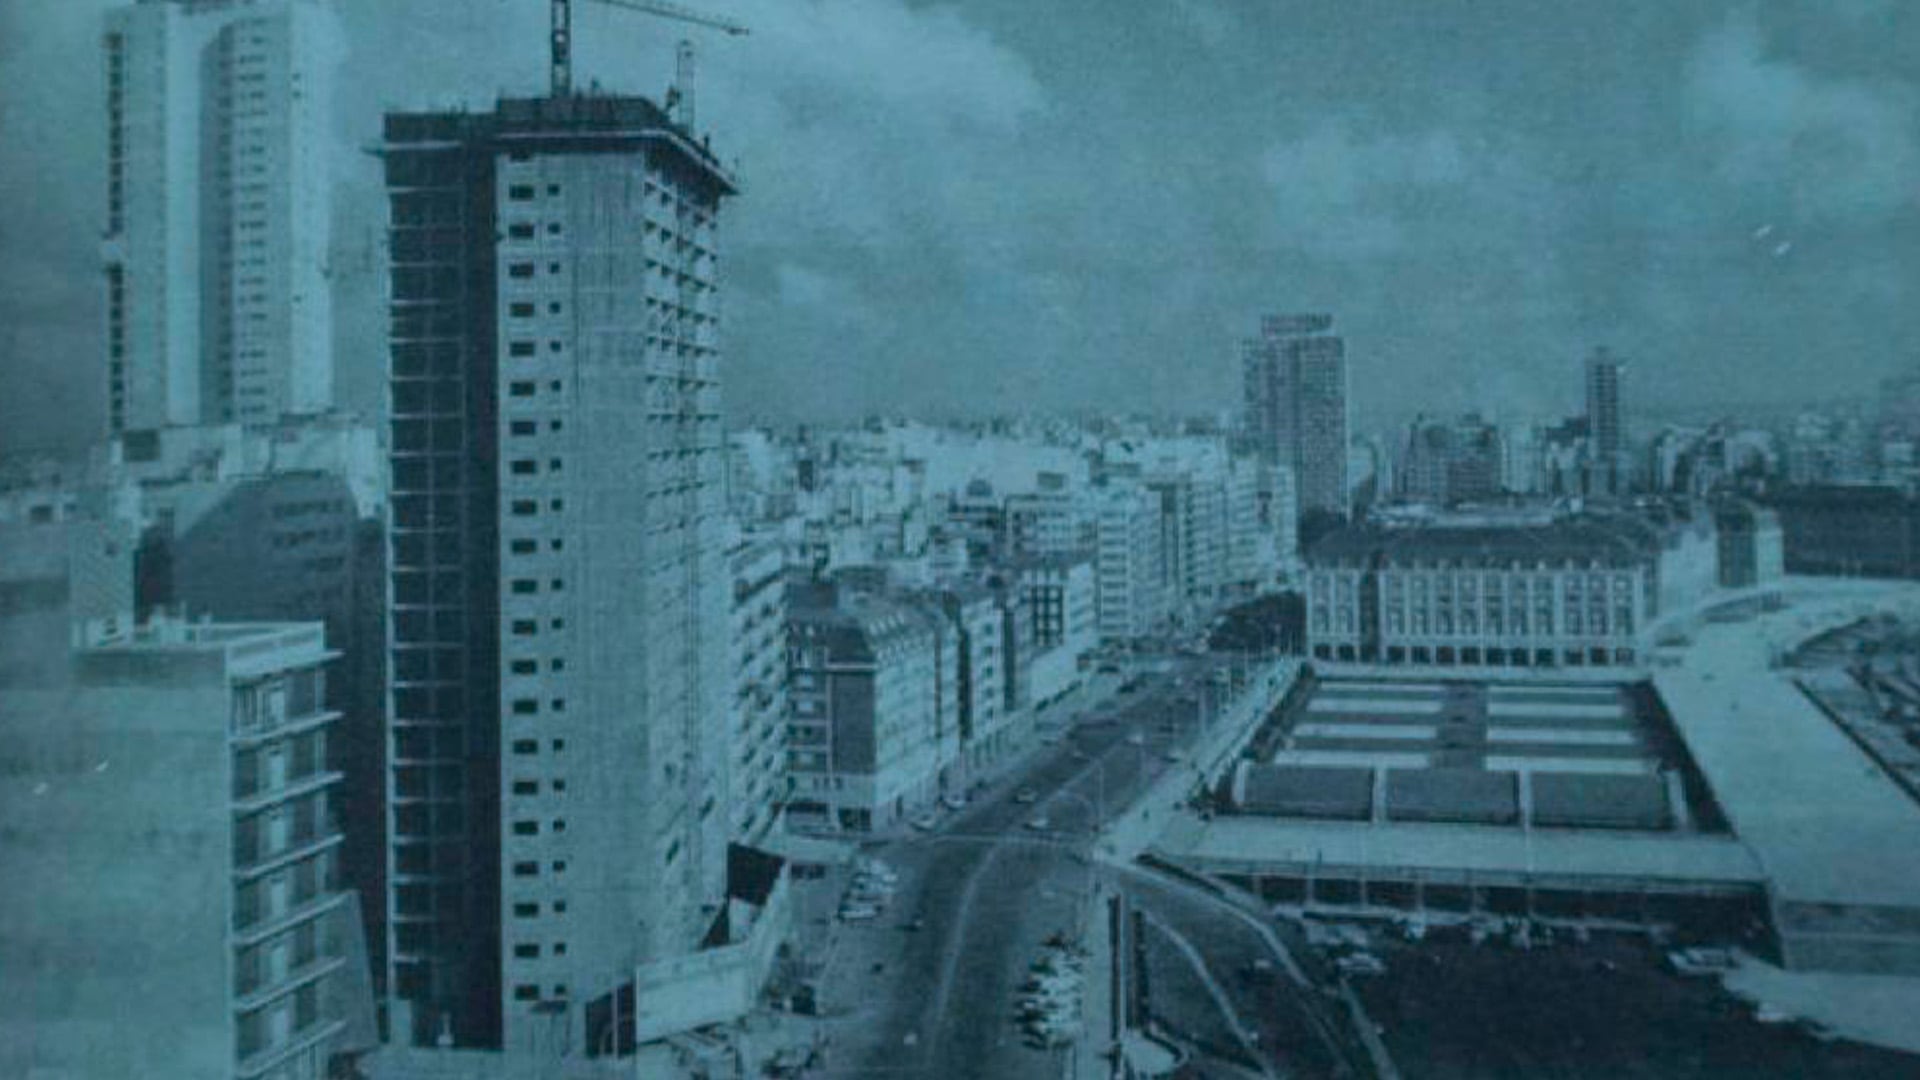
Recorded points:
217,228
1131,601
1297,410
758,767
864,740
172,812
559,639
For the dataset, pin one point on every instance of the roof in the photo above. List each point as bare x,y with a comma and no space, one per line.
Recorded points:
1317,791
1827,822
1474,852
1459,794
1601,800
1607,540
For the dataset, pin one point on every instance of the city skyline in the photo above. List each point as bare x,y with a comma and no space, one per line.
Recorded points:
1703,187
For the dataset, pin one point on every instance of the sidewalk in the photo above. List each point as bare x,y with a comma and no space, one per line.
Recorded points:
1091,1058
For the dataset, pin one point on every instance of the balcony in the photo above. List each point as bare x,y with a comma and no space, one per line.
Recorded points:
255,857
259,1061
266,991
251,929
251,802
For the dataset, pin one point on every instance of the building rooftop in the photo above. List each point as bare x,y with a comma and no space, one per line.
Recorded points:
1828,823
1441,849
582,119
1607,540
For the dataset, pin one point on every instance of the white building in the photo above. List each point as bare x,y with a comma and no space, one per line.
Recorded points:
218,196
1131,596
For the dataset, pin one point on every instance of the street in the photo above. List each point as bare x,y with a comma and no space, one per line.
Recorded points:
988,890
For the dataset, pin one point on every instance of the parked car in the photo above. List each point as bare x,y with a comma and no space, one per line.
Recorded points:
953,802
1026,795
926,822
855,912
1039,824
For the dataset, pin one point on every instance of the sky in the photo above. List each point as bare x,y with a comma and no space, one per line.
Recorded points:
994,205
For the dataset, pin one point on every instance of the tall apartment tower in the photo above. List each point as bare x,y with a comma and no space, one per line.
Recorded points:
1604,431
558,633
215,252
1297,405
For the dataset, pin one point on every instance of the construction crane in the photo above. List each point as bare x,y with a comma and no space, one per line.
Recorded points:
683,90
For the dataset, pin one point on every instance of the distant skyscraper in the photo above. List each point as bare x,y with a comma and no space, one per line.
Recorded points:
1606,438
1296,405
560,663
218,198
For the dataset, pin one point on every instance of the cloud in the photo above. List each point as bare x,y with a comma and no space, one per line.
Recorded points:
1829,149
1340,190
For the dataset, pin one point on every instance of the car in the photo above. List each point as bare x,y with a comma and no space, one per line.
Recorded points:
926,822
1361,964
953,802
1026,796
1174,756
1701,961
1136,739
858,912
1039,824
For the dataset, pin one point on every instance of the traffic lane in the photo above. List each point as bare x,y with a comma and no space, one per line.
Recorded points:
1032,893
1300,1028
875,1030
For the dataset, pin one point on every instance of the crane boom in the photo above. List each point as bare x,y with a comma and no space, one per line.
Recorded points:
562,38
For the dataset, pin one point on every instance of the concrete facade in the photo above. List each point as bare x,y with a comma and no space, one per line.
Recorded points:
173,811
559,628
1296,398
218,211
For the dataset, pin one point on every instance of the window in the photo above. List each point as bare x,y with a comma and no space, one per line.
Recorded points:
526,627
553,189
560,866
526,746
559,824
525,707
553,307
559,948
526,952
526,869
521,389
553,228
520,310
525,467
526,787
526,667
524,992
559,745
523,427
524,586
557,705
520,270
526,507
520,192
521,348
559,664
526,828
525,547
521,231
